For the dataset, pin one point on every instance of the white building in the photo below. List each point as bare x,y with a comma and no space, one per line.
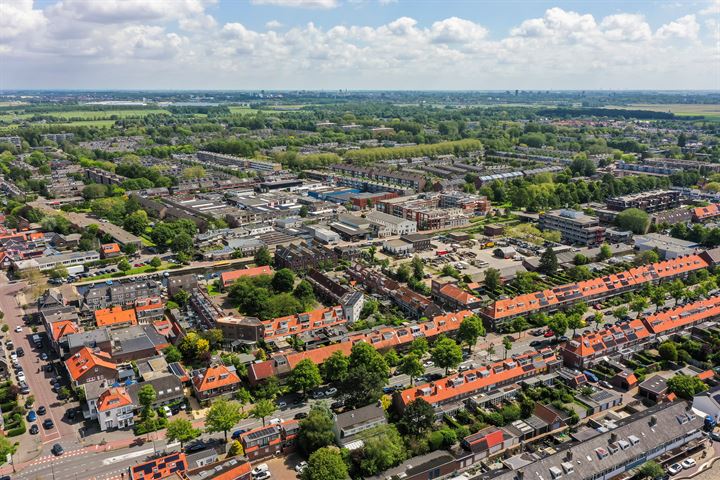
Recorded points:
114,409
397,225
352,303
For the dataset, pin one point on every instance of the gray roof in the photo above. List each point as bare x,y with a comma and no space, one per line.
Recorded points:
88,339
417,465
168,387
635,437
656,384
358,416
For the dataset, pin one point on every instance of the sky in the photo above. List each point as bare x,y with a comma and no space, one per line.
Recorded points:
360,44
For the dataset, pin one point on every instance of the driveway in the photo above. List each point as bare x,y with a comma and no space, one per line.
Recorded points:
282,468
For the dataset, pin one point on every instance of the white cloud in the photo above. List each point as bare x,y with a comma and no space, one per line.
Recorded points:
126,11
683,28
712,9
626,27
18,18
298,3
457,30
273,25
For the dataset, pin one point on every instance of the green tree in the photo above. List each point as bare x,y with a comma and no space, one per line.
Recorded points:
392,358
326,464
283,280
58,271
575,321
686,386
558,324
633,219
647,257
598,318
471,328
181,430
507,345
304,293
668,351
94,190
7,447
129,249
419,346
263,257
621,312
417,418
147,396
677,290
304,210
418,268
305,376
161,235
652,470
316,431
182,243
181,297
124,265
403,273
411,366
638,304
335,368
492,279
446,354
222,416
657,297
236,449
136,222
155,262
548,262
384,448
366,377
605,252
262,409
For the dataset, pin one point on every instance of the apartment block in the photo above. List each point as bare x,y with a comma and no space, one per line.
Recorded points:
574,226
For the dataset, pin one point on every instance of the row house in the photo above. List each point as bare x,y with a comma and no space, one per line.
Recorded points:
86,366
301,258
115,317
270,440
414,181
303,323
228,278
149,310
121,293
214,381
594,290
458,387
454,297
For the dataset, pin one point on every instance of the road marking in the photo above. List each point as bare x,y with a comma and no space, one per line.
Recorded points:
139,453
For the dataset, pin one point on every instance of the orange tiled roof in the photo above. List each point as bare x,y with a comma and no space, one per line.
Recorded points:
114,397
216,376
707,374
458,294
108,317
85,360
303,322
593,343
62,328
319,355
574,292
229,277
169,466
467,383
712,210
110,248
235,473
683,315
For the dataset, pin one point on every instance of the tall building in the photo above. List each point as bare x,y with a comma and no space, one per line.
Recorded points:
574,226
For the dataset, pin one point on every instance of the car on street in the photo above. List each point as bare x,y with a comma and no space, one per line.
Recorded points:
236,434
536,343
317,394
41,410
300,467
21,376
428,363
674,469
48,424
13,356
71,413
715,436
168,412
18,329
43,356
300,415
24,389
688,463
282,404
31,416
262,476
263,467
34,429
330,392
195,447
57,450
537,332
337,405
549,334
275,421
20,351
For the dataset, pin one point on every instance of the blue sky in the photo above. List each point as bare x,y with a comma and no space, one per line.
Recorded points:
360,44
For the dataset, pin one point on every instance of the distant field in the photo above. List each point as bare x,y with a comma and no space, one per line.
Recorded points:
89,114
79,123
709,111
239,109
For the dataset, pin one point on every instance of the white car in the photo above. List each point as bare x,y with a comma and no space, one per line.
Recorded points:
688,463
330,392
262,476
263,467
674,469
300,467
13,356
168,412
282,404
18,329
275,421
21,378
428,363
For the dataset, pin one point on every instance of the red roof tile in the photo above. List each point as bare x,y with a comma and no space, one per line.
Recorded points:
108,317
114,397
216,376
85,360
228,278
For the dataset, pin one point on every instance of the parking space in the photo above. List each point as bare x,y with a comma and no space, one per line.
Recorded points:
283,468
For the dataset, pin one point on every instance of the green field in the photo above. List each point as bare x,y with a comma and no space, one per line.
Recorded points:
86,114
709,111
238,109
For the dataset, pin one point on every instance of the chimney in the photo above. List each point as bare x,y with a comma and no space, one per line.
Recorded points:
569,456
613,437
519,475
653,420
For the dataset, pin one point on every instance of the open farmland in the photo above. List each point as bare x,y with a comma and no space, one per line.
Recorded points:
709,111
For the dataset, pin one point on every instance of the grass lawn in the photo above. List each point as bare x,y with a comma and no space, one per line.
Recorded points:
241,109
709,111
132,271
86,114
212,289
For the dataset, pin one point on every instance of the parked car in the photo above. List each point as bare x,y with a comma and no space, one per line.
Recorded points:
590,376
263,467
549,334
48,424
20,351
168,412
262,476
236,434
536,343
300,467
34,429
43,356
282,404
31,416
57,449
18,329
275,421
41,410
688,463
300,415
195,447
330,392
674,469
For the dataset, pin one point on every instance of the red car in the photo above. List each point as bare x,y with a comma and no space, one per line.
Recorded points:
549,334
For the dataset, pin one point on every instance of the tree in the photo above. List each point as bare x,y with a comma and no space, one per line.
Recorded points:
605,252
668,351
417,417
304,210
446,354
182,243
384,448
411,366
367,375
548,262
58,271
305,376
194,172
419,346
621,312
94,190
263,257
172,354
236,449
652,470
403,273
582,166
161,235
558,324
575,321
471,328
647,257
181,297
155,262
580,259
316,431
136,222
638,304
222,416
262,409
304,293
392,358
181,430
283,280
492,279
7,447
686,386
418,268
507,345
130,249
326,464
677,290
657,297
147,396
633,219
598,318
335,368
124,265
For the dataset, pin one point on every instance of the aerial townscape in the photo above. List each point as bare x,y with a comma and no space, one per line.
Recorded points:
287,249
